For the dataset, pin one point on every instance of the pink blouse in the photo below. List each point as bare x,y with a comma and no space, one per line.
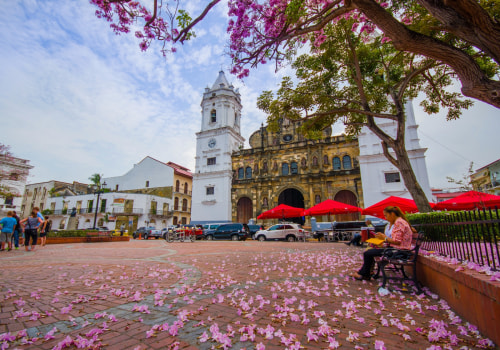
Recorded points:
401,232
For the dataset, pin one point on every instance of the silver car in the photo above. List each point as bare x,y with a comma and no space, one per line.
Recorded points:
287,232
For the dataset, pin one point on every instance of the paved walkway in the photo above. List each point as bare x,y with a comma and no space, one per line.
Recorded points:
203,295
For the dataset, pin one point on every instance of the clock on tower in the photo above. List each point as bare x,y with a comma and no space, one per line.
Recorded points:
212,143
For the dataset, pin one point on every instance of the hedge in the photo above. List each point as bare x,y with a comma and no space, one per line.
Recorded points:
457,225
70,233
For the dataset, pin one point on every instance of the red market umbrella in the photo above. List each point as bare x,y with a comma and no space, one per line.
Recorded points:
331,207
406,205
469,201
282,211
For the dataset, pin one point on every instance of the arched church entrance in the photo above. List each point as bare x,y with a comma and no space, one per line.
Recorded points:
293,198
245,210
347,197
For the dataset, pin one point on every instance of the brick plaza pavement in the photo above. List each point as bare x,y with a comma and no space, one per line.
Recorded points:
220,295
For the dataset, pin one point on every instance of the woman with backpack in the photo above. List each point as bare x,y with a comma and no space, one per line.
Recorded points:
33,222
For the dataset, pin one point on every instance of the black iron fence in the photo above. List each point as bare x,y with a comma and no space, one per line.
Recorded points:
472,236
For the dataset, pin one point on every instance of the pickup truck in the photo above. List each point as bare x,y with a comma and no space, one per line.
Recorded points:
146,232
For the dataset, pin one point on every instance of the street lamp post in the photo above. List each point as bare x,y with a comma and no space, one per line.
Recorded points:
98,190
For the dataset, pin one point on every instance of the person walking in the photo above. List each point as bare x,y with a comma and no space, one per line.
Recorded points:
47,225
8,224
122,229
17,230
33,222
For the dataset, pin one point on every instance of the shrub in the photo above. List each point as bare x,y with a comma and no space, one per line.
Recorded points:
457,225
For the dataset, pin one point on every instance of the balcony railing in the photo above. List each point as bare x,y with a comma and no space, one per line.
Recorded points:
179,191
136,211
166,213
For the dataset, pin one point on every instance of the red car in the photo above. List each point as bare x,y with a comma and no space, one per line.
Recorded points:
190,230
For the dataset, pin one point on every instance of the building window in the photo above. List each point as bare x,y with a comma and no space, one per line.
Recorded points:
175,220
102,209
211,161
336,163
294,168
248,172
176,203
241,173
325,160
264,202
184,205
317,199
116,188
315,161
347,165
185,187
14,176
264,167
210,190
9,200
147,183
392,177
177,185
284,169
213,116
183,221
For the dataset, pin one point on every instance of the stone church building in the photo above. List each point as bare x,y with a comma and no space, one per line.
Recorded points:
286,168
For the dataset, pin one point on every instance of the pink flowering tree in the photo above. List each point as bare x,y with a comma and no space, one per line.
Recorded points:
463,34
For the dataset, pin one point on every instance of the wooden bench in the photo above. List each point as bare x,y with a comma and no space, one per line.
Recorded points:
397,266
103,236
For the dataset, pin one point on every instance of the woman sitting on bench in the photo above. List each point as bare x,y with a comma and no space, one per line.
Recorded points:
401,239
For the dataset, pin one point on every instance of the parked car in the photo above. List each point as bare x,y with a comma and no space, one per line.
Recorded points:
253,229
152,232
143,232
285,231
118,232
234,232
210,229
196,230
342,230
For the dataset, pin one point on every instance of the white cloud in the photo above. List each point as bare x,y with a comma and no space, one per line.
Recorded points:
76,99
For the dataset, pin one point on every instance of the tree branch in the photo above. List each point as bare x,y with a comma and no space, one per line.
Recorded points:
184,32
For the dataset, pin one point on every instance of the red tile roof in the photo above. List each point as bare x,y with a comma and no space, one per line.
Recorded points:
180,170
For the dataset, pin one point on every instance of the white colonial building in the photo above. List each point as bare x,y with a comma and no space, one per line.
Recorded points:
218,139
152,193
379,177
115,208
13,175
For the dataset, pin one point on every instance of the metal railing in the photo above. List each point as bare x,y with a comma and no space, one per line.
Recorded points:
161,212
472,236
128,211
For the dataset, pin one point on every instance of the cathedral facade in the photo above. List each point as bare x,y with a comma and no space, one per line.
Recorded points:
284,167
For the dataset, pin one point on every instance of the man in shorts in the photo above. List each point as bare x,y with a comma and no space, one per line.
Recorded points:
8,223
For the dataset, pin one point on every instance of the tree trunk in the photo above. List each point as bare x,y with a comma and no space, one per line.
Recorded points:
409,178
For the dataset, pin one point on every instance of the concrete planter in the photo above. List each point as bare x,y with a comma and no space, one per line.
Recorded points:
63,240
471,294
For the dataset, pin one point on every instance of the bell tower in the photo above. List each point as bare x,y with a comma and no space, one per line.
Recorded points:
218,138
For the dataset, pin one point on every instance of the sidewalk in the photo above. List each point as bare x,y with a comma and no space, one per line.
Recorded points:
253,295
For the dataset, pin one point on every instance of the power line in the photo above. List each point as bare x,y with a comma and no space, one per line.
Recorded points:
445,147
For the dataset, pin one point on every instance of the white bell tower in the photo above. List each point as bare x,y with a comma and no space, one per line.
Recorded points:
218,139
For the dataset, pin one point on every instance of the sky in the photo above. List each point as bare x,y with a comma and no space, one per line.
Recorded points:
76,99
